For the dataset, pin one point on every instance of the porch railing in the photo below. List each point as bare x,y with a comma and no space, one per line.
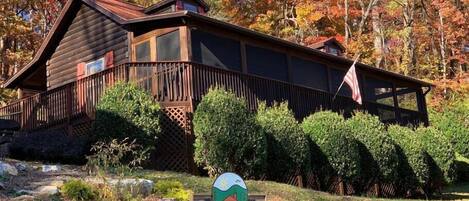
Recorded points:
181,82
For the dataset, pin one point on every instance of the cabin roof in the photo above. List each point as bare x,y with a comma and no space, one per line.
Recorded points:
127,14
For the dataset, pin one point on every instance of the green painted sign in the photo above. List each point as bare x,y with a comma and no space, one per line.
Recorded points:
229,187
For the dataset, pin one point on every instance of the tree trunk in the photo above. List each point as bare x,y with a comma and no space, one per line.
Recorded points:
378,37
442,45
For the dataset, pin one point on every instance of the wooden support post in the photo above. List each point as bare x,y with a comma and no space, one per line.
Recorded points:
299,180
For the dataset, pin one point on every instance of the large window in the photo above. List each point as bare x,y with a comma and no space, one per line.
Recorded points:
168,47
267,63
216,51
143,52
309,74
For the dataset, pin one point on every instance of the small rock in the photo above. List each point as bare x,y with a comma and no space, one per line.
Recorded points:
6,168
136,186
24,192
22,167
47,190
50,168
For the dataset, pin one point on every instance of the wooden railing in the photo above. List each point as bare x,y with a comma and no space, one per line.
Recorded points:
181,82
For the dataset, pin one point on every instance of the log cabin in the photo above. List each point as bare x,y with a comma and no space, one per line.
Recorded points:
176,52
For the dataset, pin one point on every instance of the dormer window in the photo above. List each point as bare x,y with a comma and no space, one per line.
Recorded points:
190,7
330,46
167,6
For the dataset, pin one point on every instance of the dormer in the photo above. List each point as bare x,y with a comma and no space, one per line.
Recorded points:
330,45
168,6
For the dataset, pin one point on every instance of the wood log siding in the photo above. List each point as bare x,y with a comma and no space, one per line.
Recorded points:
89,36
177,83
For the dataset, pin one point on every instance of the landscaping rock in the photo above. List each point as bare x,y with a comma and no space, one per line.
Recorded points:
21,167
6,168
47,190
51,168
142,187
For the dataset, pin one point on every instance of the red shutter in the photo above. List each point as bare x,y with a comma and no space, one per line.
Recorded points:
80,70
201,10
109,59
179,5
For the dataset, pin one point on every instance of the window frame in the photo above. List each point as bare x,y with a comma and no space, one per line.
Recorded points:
151,36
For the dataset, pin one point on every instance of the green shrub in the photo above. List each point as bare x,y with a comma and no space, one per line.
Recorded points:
451,122
378,152
328,131
126,111
441,152
171,189
287,144
227,137
78,190
414,169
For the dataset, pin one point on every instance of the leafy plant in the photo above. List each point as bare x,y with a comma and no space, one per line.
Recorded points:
453,122
120,157
171,189
377,150
414,169
287,144
227,137
438,146
328,131
78,190
126,111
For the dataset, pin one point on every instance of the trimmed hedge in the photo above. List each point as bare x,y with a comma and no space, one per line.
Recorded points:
378,152
414,169
227,137
126,111
287,144
442,154
451,124
328,131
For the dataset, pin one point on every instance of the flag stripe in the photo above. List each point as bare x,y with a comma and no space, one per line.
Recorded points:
352,81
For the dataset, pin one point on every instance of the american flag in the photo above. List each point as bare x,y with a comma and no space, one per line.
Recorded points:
352,81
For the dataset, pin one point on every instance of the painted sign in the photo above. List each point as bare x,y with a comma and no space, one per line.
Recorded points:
229,187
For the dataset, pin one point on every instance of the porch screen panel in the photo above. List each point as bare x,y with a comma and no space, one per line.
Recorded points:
309,74
168,47
216,51
142,52
267,63
379,91
337,76
407,98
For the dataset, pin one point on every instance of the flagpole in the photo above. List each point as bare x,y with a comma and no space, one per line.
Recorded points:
343,81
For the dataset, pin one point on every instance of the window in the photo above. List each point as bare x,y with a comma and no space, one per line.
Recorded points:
142,52
168,47
267,63
216,51
190,7
309,74
94,66
334,51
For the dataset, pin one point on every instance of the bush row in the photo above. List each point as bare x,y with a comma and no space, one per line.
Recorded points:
360,150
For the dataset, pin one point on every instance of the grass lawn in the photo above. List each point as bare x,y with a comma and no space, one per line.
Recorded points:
276,191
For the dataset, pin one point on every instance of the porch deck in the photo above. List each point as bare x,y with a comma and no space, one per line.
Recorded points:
184,83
